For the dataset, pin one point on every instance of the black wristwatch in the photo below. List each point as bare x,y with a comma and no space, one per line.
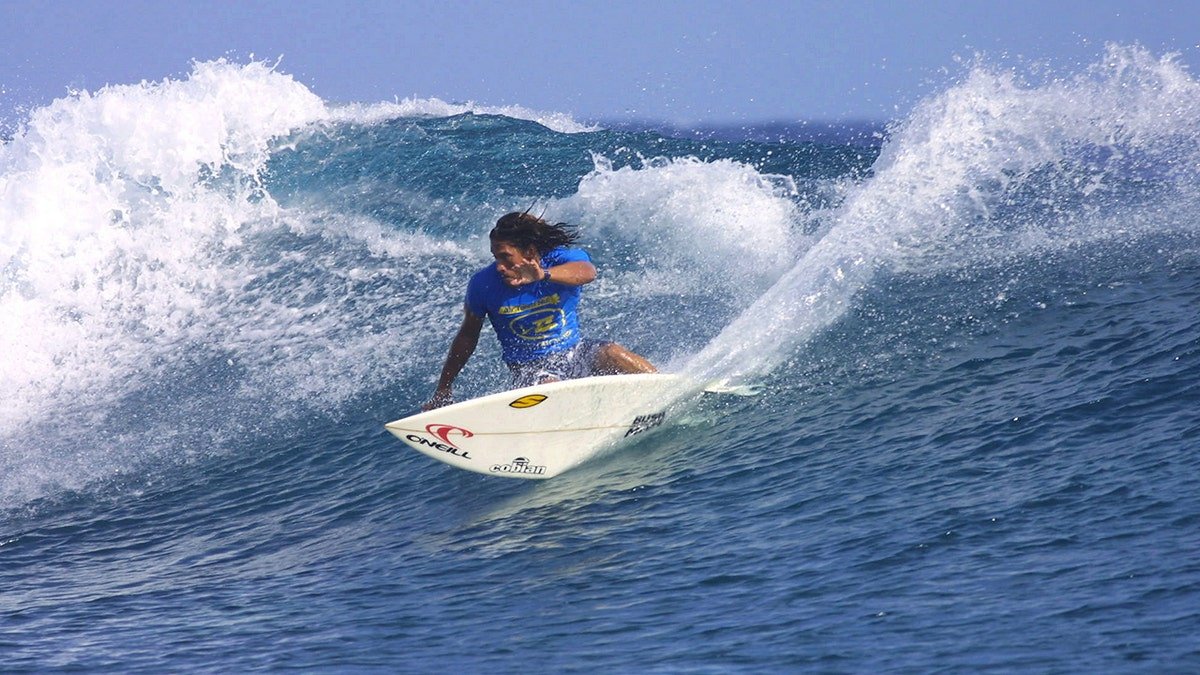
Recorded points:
545,275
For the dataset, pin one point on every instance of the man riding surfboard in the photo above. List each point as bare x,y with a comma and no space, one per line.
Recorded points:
530,294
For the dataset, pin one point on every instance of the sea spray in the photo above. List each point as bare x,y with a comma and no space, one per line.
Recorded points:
990,169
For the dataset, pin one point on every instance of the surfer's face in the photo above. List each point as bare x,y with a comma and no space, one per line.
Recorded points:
509,257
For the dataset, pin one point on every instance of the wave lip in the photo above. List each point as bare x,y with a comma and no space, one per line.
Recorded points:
375,113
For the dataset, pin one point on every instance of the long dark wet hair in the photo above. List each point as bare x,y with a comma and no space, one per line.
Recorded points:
525,229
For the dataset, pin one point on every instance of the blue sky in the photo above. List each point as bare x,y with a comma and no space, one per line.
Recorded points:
664,60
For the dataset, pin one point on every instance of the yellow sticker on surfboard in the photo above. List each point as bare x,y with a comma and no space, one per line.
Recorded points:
527,401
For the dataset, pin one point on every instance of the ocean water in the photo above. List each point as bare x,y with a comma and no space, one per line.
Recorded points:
975,336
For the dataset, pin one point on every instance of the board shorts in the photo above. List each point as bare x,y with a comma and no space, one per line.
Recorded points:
578,361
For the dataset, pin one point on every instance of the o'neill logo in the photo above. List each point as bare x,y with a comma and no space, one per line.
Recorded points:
519,465
443,432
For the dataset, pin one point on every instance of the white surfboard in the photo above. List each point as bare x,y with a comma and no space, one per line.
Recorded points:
541,431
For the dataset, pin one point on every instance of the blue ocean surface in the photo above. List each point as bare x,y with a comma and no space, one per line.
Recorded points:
975,336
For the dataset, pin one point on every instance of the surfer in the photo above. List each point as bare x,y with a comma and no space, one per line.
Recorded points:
530,295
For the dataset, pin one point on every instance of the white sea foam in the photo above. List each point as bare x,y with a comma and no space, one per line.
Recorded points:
108,218
154,298
720,223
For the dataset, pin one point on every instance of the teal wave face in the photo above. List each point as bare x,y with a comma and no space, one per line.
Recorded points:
402,171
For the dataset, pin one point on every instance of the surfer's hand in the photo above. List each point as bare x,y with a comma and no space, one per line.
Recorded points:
440,398
526,272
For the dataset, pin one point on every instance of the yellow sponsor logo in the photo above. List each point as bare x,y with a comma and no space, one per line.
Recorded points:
527,401
517,309
536,324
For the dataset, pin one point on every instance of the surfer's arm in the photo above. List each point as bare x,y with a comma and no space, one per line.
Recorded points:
461,349
575,273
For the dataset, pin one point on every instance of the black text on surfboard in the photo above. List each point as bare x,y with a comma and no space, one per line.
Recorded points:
519,465
440,446
644,423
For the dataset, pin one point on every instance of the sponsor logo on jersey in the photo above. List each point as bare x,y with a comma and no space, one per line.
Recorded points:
536,325
527,401
519,465
520,309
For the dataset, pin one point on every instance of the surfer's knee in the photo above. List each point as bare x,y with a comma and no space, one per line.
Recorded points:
614,358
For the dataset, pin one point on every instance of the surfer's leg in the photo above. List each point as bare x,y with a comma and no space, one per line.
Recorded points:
613,358
545,370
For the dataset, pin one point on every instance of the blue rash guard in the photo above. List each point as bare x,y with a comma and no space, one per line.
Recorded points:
534,320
